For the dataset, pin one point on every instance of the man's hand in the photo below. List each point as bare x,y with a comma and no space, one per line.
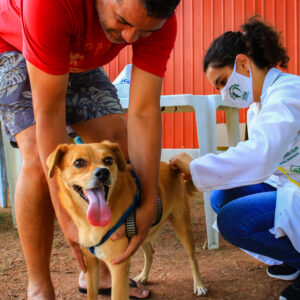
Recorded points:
145,216
181,162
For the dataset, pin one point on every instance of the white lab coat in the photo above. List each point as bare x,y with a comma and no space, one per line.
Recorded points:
274,139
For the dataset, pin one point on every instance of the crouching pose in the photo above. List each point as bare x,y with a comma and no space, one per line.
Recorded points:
256,184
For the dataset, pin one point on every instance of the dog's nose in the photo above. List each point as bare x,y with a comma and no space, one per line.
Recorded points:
102,174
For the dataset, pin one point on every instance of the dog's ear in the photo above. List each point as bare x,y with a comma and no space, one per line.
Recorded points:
120,159
55,157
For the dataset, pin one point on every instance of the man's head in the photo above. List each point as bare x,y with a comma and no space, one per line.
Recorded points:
128,20
160,9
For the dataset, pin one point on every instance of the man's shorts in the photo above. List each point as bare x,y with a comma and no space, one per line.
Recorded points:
89,95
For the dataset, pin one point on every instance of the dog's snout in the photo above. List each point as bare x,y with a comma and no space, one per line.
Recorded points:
102,174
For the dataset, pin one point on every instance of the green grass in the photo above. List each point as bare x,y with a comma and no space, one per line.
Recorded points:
2,218
5,221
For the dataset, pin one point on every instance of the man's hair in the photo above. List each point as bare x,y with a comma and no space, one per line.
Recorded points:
160,9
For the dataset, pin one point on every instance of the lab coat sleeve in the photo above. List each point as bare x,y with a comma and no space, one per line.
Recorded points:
254,160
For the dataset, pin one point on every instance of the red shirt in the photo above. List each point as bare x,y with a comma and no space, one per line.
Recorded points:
60,36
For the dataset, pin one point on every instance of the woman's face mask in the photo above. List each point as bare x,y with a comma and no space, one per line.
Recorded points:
238,89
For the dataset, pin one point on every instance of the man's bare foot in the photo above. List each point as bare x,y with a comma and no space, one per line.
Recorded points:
139,291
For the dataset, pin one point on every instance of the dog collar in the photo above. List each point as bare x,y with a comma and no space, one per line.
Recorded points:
130,209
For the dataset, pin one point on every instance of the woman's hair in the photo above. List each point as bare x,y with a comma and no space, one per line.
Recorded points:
258,40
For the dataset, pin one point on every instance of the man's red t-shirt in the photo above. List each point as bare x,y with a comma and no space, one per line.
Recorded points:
60,36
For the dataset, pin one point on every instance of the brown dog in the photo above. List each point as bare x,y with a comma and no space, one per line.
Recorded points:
96,188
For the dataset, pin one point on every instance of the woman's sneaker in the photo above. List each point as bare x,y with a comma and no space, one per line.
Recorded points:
283,271
292,292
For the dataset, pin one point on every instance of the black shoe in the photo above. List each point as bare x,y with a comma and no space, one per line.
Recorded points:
283,271
292,292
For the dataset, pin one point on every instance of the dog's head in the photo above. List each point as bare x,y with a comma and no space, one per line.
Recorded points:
89,171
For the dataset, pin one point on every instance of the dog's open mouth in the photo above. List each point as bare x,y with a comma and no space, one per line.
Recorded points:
83,195
98,214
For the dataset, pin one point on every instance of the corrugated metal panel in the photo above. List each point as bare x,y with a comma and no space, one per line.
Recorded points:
199,22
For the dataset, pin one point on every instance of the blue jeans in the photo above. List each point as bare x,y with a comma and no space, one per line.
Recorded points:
245,215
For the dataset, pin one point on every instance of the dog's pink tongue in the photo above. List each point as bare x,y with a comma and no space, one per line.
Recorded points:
99,214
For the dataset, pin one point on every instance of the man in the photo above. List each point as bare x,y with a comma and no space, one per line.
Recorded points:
58,45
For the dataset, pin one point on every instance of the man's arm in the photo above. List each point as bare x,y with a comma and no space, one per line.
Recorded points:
48,94
144,147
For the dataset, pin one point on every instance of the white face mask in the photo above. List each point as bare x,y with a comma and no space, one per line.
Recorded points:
238,89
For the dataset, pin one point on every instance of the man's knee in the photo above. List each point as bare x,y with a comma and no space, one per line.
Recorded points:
110,127
31,163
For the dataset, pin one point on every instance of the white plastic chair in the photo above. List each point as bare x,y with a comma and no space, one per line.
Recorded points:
13,167
205,108
3,174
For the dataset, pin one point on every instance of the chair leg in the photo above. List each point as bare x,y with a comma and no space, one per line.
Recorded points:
210,217
3,175
205,110
13,163
232,125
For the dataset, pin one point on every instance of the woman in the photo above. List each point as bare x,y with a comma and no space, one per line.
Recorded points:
257,203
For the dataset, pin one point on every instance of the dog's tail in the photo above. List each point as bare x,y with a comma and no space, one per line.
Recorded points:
191,189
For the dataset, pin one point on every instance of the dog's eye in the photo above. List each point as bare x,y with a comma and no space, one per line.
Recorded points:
79,163
108,161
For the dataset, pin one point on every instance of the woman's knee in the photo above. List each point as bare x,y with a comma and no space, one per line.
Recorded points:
217,199
225,223
237,222
233,224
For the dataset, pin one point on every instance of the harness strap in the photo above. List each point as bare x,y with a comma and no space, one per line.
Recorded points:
159,212
130,224
130,209
290,179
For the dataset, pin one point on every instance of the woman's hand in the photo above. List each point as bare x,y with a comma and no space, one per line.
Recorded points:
181,162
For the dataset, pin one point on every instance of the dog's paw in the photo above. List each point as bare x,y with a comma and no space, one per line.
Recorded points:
141,278
200,291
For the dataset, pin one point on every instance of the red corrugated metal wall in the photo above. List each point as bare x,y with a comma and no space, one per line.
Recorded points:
199,22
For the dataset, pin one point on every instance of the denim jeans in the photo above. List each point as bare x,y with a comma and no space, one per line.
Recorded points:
245,215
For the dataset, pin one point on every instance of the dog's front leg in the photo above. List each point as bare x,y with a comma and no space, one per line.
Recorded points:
148,257
92,274
120,281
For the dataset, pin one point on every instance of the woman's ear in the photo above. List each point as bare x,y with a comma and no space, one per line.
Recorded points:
242,64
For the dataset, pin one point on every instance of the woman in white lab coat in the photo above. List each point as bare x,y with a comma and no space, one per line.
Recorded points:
255,185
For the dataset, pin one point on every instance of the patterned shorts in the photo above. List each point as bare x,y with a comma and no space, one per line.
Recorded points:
89,95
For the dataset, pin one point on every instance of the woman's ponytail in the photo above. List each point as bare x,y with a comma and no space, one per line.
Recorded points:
264,44
258,40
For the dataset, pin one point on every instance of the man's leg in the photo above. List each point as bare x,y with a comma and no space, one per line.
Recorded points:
113,128
35,217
